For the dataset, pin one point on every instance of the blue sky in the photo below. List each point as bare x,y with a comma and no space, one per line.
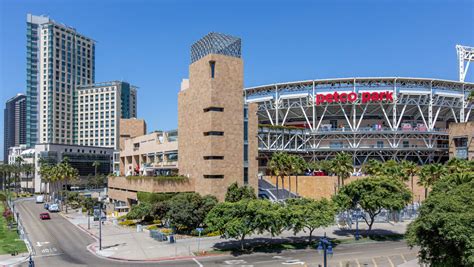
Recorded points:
147,42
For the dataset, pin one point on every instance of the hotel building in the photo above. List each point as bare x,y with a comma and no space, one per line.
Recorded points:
58,60
99,110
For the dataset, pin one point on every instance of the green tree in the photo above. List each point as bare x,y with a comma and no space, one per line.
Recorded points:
138,212
429,174
297,167
342,167
279,165
307,214
443,229
95,164
188,210
242,219
410,169
28,169
456,165
17,170
373,194
394,170
236,193
373,167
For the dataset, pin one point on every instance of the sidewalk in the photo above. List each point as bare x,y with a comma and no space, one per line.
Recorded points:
8,260
127,244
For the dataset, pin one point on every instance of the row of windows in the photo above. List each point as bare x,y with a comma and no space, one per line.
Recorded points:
97,90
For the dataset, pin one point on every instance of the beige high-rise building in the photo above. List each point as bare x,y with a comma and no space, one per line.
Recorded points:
100,108
213,123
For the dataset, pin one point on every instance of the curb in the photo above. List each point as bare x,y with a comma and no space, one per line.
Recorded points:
21,260
92,250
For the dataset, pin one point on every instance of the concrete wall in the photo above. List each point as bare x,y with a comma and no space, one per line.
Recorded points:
121,188
318,187
457,130
130,128
224,91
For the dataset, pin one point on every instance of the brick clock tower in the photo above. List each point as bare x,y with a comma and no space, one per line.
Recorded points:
217,140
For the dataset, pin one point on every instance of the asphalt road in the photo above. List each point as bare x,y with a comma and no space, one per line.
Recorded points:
59,243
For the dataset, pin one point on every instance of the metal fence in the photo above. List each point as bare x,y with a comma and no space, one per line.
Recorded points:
20,228
347,219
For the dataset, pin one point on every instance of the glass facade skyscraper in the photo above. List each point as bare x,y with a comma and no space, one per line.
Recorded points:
58,60
14,123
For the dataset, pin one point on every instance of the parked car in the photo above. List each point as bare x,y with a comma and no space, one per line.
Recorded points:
39,199
46,206
53,208
45,216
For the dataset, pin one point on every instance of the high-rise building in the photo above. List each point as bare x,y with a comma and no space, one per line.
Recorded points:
99,110
14,123
58,60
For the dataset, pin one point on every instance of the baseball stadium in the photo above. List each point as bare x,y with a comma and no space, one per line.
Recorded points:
378,118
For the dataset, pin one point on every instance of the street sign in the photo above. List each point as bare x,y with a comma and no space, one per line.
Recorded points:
199,229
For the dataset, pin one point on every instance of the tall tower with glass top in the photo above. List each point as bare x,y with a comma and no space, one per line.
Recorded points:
212,120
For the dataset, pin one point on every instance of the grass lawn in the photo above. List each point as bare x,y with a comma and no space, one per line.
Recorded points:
9,240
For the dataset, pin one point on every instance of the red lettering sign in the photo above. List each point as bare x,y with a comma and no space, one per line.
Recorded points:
352,97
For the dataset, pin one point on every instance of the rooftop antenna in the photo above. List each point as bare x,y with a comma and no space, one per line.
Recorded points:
465,53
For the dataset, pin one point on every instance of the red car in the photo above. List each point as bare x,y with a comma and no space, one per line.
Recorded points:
44,216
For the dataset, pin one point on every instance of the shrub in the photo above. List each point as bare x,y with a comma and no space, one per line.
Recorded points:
127,223
152,227
156,221
166,231
215,233
177,179
139,211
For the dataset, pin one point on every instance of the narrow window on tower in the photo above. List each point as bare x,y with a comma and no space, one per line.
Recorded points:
212,64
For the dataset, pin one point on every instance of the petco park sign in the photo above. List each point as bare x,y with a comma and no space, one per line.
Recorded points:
352,97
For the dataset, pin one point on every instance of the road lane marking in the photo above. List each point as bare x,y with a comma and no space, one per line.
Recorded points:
390,261
375,264
403,258
293,262
357,261
39,244
234,262
198,263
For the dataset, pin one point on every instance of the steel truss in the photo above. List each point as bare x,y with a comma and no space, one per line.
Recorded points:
433,148
430,103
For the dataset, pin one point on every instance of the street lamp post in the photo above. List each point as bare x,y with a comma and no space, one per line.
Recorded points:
325,246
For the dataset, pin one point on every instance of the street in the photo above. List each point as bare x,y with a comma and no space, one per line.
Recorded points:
57,242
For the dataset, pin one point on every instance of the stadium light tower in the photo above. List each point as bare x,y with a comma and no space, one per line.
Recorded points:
465,53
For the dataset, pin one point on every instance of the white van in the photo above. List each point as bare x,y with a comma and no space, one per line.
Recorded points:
53,208
40,199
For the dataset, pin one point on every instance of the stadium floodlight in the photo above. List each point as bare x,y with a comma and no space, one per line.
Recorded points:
465,53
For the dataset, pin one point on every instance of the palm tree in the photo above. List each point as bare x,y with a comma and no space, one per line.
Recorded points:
456,165
28,169
410,169
429,174
18,168
95,164
280,167
297,165
373,167
393,169
342,167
